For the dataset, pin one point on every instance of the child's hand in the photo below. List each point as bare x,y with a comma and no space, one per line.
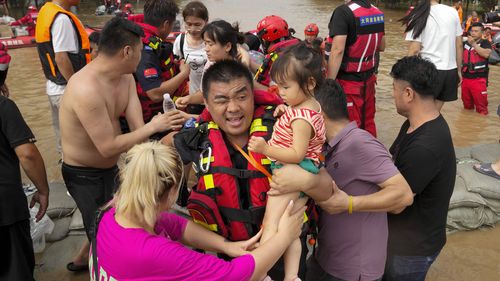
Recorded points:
182,102
257,144
280,110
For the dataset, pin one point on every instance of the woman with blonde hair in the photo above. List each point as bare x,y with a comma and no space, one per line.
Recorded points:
137,239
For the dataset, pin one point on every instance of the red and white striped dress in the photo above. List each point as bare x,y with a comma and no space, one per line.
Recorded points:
283,134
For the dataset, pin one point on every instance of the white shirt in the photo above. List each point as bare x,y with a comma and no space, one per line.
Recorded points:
438,38
196,59
64,39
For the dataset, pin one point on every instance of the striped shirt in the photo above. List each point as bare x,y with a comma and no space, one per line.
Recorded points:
283,135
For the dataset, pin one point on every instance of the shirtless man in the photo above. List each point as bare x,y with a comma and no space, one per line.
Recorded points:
94,99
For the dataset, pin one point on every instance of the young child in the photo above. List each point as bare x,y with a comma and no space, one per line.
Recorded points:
189,46
298,135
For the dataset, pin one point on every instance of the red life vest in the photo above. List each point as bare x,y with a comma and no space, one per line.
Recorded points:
263,75
361,55
168,67
216,203
473,65
4,57
137,18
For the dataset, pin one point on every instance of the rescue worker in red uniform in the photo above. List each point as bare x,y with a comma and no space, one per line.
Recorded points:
157,73
29,20
475,70
311,33
275,36
4,67
357,32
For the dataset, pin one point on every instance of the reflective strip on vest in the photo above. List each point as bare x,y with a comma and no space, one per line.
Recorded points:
257,126
212,125
265,161
209,181
212,227
205,160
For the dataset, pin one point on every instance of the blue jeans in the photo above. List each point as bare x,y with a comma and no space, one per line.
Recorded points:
408,268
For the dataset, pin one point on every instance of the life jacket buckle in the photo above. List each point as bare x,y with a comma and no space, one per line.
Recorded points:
205,167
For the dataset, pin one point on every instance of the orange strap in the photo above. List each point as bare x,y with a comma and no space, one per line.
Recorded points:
252,161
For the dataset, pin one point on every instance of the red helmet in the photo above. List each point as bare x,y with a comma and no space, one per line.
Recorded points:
272,28
32,8
128,6
311,29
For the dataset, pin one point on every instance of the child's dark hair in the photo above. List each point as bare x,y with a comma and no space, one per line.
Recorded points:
94,37
332,99
299,63
118,33
195,9
222,32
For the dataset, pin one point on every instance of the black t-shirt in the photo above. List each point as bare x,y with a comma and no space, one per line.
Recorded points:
343,22
13,132
426,158
485,44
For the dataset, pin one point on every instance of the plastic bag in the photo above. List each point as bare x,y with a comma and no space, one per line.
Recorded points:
39,229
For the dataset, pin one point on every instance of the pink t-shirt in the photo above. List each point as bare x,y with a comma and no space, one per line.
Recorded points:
134,254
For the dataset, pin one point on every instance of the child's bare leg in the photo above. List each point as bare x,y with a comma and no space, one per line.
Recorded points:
275,207
292,260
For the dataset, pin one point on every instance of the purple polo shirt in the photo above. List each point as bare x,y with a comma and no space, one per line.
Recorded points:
354,247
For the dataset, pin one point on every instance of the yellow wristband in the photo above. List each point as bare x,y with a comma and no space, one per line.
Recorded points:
350,205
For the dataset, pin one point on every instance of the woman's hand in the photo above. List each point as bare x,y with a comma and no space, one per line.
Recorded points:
290,225
240,248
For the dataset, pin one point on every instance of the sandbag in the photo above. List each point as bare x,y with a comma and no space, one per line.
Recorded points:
486,153
463,153
493,204
463,198
465,218
486,186
60,231
60,203
76,221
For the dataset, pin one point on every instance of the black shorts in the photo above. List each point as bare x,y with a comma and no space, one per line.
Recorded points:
17,249
91,188
447,85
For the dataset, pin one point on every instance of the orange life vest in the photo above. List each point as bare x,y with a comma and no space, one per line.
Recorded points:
46,17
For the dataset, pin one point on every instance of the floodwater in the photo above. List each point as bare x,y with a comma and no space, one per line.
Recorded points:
471,255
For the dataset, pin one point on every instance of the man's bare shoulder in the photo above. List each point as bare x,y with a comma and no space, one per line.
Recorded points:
83,87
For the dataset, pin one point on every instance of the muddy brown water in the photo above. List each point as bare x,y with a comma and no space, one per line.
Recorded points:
473,255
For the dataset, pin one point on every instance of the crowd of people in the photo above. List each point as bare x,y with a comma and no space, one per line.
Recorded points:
283,147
